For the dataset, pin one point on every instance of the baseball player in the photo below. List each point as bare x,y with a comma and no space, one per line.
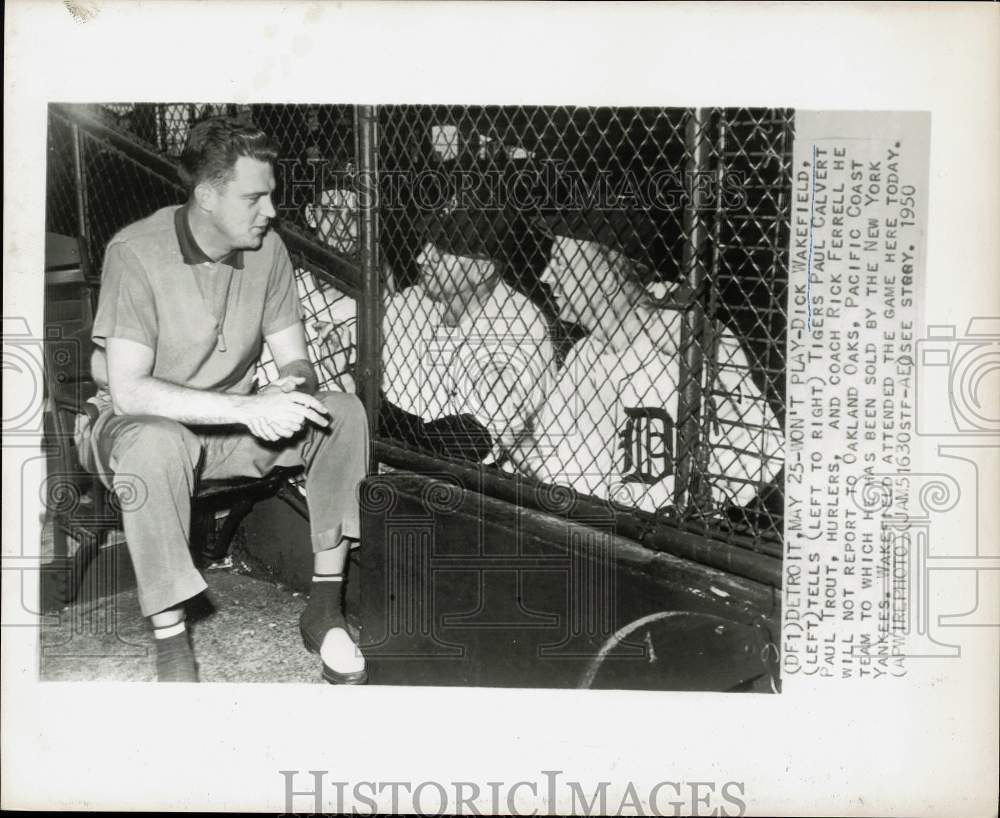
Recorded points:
335,219
331,334
466,356
609,427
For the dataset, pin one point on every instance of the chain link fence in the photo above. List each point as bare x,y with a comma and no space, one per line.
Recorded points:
125,176
586,300
631,343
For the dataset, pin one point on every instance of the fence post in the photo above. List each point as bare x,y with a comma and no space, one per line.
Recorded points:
83,225
712,326
161,126
688,485
369,368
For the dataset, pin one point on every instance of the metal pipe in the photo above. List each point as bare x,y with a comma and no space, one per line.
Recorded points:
83,227
700,495
369,370
93,125
161,126
691,364
723,585
527,493
344,273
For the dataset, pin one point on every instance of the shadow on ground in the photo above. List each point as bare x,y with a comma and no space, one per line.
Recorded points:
244,629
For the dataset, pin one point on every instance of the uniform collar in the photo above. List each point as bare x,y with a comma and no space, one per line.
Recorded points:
191,252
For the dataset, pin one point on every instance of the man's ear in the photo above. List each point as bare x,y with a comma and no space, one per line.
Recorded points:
206,196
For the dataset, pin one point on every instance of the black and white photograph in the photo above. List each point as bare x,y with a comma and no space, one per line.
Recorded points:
456,395
445,407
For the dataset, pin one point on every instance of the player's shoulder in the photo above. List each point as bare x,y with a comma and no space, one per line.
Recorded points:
515,307
407,297
507,299
156,228
583,356
406,303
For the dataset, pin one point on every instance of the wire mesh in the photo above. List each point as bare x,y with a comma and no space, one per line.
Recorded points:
663,391
119,190
60,203
590,297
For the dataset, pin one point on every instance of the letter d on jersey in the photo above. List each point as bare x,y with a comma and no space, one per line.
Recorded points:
647,442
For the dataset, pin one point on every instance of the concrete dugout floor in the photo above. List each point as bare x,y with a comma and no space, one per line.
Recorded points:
244,628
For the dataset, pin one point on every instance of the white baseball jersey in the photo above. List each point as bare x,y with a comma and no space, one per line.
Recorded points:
609,428
495,365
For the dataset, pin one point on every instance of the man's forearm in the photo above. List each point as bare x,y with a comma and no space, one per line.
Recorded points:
301,368
152,396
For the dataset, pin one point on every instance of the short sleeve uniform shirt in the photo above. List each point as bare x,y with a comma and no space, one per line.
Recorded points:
494,365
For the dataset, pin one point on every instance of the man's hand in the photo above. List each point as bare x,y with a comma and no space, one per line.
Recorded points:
279,414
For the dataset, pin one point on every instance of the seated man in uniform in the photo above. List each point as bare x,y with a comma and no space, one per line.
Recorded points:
465,356
609,427
189,296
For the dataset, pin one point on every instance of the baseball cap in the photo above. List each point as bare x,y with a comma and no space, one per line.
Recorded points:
470,233
647,237
480,218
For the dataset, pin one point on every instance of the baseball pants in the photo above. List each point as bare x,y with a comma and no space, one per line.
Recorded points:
154,464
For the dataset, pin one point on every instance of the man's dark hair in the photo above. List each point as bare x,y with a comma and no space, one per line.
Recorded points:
214,145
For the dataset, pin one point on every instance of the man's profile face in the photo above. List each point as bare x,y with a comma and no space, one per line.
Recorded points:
445,276
574,273
242,209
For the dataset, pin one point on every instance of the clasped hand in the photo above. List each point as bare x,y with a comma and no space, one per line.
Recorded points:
277,411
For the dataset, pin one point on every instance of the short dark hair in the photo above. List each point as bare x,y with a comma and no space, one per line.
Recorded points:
214,145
